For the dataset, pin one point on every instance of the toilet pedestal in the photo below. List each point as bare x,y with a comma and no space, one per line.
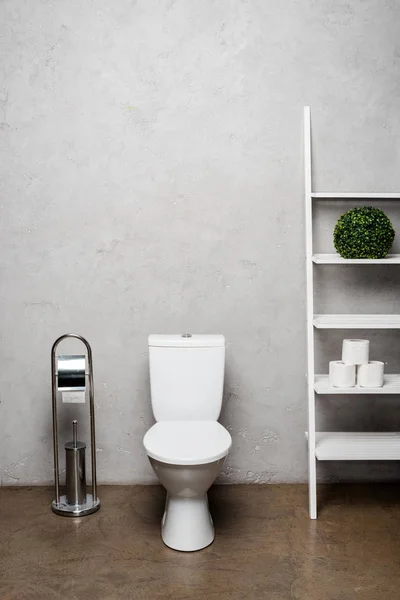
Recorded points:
187,524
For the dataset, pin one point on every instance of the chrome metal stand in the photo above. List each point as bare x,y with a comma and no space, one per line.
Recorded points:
68,373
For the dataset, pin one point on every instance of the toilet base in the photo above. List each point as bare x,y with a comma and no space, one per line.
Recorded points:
187,524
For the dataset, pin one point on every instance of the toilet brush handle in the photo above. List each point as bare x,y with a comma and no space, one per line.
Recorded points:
75,433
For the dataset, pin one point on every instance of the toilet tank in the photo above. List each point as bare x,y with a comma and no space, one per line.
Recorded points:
186,376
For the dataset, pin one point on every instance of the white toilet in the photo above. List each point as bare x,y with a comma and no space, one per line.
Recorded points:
187,446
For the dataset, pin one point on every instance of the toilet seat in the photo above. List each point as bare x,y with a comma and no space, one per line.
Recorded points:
187,442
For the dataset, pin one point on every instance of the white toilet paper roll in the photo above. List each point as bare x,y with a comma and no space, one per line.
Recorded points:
342,375
355,352
371,374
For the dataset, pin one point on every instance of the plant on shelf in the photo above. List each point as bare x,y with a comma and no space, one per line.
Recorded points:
364,232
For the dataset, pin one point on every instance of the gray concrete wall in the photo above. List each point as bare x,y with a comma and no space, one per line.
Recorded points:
152,181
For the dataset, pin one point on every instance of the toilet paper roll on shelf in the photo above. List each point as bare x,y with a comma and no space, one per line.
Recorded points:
341,375
71,378
355,352
370,375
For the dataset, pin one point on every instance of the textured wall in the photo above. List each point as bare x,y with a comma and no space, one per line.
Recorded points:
152,181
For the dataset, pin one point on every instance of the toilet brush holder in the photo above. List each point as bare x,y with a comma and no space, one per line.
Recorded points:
75,469
69,376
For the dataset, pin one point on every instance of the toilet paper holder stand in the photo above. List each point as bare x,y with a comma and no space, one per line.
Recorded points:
68,374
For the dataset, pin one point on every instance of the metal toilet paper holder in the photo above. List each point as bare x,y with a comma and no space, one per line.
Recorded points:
68,374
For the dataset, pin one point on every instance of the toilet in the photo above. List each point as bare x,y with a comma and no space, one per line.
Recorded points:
187,446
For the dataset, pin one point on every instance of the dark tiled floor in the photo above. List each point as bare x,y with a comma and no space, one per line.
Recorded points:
266,547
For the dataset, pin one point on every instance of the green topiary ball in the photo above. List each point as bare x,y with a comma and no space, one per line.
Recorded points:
364,232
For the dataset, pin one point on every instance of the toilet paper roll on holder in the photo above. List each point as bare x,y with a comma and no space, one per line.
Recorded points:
68,374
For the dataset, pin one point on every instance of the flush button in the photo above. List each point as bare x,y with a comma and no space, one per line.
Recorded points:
186,335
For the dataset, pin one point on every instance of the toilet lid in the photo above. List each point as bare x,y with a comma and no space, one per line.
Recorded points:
187,442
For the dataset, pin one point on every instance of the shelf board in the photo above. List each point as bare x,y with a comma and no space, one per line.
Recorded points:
356,321
391,385
356,195
357,446
336,259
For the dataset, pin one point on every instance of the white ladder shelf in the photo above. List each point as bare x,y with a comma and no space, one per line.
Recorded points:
340,445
